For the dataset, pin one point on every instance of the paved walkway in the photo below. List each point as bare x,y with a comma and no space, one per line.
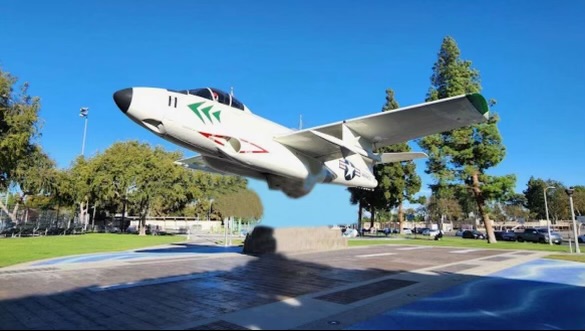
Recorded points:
538,295
205,287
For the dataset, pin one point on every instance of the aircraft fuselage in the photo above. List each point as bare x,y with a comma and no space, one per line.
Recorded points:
229,137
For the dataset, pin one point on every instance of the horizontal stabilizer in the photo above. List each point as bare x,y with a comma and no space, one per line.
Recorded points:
197,163
398,157
338,142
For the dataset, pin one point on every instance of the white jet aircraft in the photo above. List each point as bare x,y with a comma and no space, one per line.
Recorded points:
232,140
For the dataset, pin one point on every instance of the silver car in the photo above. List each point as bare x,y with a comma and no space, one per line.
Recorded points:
556,237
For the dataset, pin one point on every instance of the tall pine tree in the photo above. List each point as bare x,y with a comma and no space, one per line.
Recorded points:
398,179
460,158
397,182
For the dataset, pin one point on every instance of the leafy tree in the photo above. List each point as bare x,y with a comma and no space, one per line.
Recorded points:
514,207
462,156
145,180
77,186
440,208
211,187
556,199
558,204
131,173
35,174
534,194
496,211
242,204
18,129
579,200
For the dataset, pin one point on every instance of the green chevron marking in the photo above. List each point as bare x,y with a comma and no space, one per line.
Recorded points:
206,112
216,114
194,107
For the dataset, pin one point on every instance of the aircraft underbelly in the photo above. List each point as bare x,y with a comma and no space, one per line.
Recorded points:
238,169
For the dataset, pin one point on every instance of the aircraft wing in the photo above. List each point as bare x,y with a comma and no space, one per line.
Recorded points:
402,156
391,127
197,163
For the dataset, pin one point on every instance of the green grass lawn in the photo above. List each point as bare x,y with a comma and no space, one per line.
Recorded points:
568,257
20,250
459,242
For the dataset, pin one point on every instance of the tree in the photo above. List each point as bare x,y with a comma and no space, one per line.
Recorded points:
496,211
78,186
439,208
397,181
242,204
534,195
558,204
18,129
132,175
360,197
579,200
145,180
514,207
34,174
210,187
464,155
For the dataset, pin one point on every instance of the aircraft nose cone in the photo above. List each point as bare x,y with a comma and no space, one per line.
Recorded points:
123,99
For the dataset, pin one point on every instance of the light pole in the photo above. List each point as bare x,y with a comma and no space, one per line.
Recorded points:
547,219
570,192
84,112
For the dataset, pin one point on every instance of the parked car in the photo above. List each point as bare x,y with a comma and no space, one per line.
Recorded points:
472,234
505,235
406,231
430,232
556,237
350,233
419,230
539,235
581,239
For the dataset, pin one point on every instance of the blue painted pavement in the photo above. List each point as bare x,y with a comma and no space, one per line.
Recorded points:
539,295
166,252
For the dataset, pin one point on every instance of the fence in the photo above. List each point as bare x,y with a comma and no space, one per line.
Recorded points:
35,222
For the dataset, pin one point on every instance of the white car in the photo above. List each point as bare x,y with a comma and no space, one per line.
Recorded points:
406,231
430,232
350,233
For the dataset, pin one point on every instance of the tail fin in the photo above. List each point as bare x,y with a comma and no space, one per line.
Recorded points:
353,170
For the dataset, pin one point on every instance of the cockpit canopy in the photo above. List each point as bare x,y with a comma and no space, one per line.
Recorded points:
218,95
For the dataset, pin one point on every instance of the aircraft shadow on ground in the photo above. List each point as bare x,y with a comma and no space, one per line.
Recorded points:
192,248
184,300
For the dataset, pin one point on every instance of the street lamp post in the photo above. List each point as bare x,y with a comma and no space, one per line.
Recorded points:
570,192
84,112
547,219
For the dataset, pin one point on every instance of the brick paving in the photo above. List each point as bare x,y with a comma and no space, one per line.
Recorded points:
175,293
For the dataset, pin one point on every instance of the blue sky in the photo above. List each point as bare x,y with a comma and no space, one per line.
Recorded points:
326,60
